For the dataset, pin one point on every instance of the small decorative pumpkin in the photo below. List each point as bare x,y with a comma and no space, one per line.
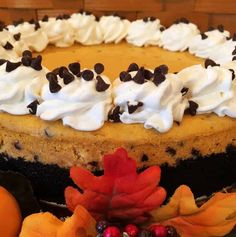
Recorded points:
10,215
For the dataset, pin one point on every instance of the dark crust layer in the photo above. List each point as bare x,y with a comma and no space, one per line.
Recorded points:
204,175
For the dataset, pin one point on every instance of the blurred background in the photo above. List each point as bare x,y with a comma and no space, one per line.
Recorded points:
204,13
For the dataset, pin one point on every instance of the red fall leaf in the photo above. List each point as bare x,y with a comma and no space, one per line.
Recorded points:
121,194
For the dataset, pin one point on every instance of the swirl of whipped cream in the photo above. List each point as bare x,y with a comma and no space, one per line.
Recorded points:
59,32
211,88
30,38
223,54
19,88
144,33
178,36
87,29
78,104
161,105
114,29
203,45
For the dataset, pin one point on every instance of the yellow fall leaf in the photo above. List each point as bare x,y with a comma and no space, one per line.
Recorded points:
216,217
80,224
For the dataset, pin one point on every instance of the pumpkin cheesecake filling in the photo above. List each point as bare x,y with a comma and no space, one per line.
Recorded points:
44,150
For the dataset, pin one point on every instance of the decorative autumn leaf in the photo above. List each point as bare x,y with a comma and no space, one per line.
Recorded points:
81,224
121,193
216,217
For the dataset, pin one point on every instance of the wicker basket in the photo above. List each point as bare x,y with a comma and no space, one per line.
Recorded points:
202,12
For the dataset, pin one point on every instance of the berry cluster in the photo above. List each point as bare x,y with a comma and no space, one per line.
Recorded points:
105,229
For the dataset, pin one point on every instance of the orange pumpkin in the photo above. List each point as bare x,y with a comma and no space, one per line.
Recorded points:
10,215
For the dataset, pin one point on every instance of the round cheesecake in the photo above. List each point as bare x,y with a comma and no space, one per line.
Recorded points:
198,152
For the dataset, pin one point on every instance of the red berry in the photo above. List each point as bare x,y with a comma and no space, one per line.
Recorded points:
131,230
112,231
158,231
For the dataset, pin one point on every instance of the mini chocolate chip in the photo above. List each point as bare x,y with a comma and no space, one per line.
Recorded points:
123,75
228,38
17,145
68,77
101,84
234,51
56,71
204,36
27,53
144,158
234,58
220,28
8,46
158,78
88,13
61,71
26,61
114,115
87,75
139,78
234,37
12,66
133,108
127,78
147,74
184,20
162,28
17,36
99,68
192,107
133,67
161,69
74,68
233,74
36,63
171,151
18,22
33,107
184,91
45,18
152,18
2,61
211,28
54,87
37,26
209,62
32,21
145,19
51,76
66,16
59,17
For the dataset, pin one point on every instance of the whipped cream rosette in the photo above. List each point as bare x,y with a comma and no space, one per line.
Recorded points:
144,32
31,36
225,51
178,35
20,84
86,29
204,44
212,88
59,31
81,99
114,29
154,99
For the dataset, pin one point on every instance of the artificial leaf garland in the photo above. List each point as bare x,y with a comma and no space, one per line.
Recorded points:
45,224
216,217
120,194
